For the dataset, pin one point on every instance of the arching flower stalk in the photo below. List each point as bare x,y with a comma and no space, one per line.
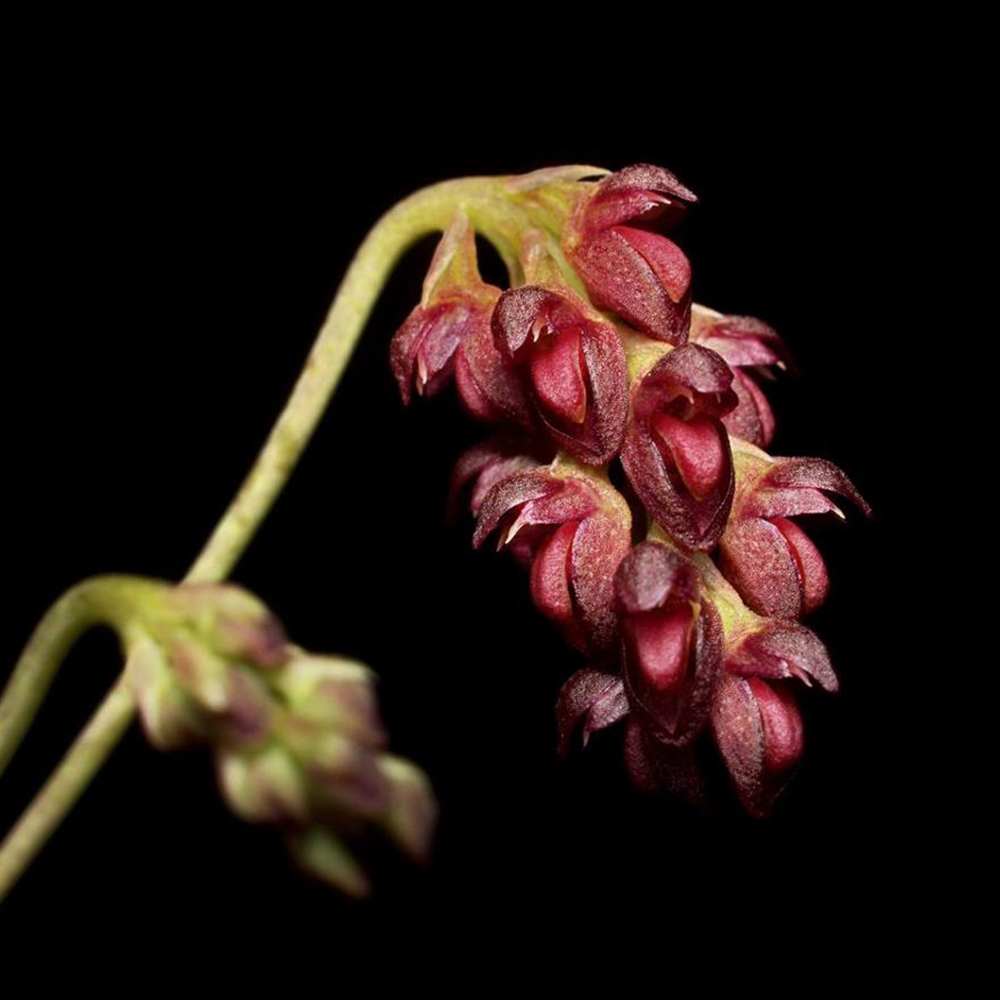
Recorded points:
596,354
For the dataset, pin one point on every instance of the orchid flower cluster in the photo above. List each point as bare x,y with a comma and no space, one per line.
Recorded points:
685,587
627,472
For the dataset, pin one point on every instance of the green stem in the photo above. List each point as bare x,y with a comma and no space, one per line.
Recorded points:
101,600
84,758
424,212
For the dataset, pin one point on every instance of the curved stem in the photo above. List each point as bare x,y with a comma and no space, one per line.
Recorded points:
418,215
81,763
424,212
103,599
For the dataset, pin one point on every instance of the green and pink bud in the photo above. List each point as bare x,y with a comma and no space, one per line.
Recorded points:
297,738
573,530
615,244
571,365
676,449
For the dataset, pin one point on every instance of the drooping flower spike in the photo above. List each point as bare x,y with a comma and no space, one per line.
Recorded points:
596,355
297,737
629,268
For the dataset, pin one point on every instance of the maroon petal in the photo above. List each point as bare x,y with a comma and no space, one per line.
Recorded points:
483,465
557,374
550,574
489,388
422,350
812,570
654,577
757,561
646,283
642,193
591,696
676,451
753,419
743,341
815,473
781,650
599,546
505,496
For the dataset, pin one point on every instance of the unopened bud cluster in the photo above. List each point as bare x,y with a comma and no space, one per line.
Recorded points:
684,591
296,737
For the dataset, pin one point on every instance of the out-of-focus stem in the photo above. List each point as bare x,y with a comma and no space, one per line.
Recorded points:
83,760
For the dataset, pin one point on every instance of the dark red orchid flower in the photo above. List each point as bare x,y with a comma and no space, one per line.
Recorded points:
455,303
759,733
572,531
676,451
671,643
572,368
767,557
629,268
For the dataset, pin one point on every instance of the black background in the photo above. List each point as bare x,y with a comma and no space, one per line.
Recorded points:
175,250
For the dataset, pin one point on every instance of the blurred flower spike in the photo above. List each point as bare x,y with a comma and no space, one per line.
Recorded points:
297,738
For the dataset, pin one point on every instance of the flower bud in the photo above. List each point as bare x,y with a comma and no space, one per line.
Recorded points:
628,269
229,621
573,530
265,786
671,643
169,716
676,451
572,368
333,693
767,557
412,811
